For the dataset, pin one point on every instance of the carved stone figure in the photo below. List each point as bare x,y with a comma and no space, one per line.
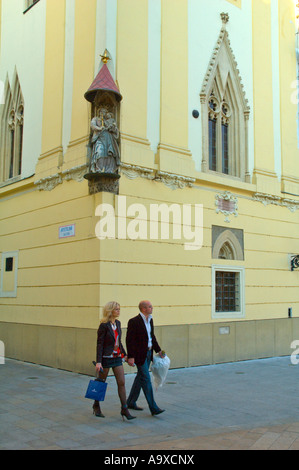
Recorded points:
105,157
103,149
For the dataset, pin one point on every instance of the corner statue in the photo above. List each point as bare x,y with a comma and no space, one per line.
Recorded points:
105,156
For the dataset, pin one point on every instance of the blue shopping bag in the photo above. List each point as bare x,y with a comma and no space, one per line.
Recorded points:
96,390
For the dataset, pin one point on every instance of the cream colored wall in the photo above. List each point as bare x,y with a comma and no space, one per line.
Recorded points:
106,34
275,29
289,111
76,126
84,47
65,145
63,283
173,152
26,30
179,282
83,75
68,72
53,85
57,278
174,63
274,73
264,174
132,60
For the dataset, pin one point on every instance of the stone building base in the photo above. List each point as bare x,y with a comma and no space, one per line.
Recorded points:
74,349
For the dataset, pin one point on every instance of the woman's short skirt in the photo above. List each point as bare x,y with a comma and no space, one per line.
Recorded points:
108,362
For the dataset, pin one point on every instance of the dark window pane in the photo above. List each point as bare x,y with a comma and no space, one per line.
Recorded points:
20,149
12,151
226,291
212,144
225,168
9,264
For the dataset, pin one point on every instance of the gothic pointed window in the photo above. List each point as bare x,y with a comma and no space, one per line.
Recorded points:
225,114
11,132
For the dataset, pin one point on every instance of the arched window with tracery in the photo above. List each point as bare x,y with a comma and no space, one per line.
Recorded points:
225,114
11,129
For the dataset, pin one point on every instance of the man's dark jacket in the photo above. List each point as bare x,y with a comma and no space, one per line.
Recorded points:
137,340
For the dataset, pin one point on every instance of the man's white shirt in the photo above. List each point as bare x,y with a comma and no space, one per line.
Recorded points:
147,322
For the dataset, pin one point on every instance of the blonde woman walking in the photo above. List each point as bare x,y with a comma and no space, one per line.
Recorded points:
110,354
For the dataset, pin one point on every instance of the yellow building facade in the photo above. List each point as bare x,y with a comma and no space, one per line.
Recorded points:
205,220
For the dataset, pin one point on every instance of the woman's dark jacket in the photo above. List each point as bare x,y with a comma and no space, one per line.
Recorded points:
106,340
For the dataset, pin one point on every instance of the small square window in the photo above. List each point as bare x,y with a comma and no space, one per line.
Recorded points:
9,274
228,292
8,265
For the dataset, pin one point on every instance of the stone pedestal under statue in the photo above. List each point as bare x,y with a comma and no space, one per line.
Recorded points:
98,182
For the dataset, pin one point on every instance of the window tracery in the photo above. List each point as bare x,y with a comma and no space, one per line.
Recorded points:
11,131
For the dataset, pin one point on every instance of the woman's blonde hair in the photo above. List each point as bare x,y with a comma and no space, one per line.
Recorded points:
107,311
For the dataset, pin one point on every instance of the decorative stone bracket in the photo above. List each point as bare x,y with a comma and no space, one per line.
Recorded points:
130,171
50,182
267,199
169,179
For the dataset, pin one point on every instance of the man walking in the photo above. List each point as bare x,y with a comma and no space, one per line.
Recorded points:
141,342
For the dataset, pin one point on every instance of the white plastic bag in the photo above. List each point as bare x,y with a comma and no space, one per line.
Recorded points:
159,369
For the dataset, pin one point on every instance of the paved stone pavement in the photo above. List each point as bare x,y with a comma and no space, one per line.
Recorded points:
236,406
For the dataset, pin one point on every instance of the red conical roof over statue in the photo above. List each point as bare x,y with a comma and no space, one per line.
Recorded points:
102,82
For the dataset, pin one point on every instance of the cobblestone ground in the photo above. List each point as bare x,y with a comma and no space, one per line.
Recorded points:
243,405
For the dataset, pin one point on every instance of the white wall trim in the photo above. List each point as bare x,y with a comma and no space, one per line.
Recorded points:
68,73
15,256
276,85
154,74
